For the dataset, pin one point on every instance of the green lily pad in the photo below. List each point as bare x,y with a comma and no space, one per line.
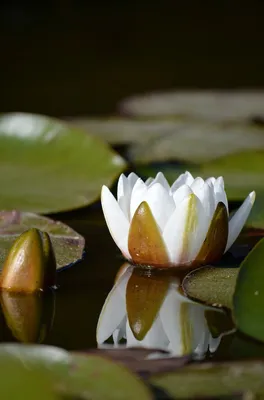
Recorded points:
54,360
212,286
199,142
213,380
47,166
242,172
20,378
94,377
68,244
211,105
256,216
249,294
124,130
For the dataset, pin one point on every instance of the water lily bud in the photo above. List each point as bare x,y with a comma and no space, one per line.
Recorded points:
29,316
30,264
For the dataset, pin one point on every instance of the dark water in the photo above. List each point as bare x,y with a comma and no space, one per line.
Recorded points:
82,288
69,315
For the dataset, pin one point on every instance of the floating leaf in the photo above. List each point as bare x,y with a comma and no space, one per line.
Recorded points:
54,360
249,294
47,166
124,130
31,372
94,377
199,142
208,104
68,244
256,216
242,172
213,380
211,285
143,360
17,382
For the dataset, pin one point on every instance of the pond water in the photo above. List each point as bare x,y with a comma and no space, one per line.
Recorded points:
69,315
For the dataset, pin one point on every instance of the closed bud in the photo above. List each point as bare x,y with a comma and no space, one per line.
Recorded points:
30,264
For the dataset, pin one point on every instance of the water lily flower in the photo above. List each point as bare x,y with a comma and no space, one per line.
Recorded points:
179,326
185,224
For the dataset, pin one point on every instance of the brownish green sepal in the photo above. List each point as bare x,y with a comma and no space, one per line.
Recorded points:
30,264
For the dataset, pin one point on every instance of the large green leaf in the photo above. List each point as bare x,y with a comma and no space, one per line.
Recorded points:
68,244
249,294
54,360
47,166
212,286
94,377
125,130
242,172
24,376
213,380
211,105
199,141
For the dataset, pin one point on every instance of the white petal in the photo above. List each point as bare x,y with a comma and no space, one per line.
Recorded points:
214,343
160,178
122,186
181,193
149,181
239,218
182,242
138,195
220,194
154,338
197,184
132,178
210,181
116,221
114,310
185,178
202,348
205,194
160,203
120,332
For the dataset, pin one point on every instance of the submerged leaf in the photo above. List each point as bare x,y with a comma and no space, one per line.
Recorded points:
211,285
68,244
213,380
249,294
47,166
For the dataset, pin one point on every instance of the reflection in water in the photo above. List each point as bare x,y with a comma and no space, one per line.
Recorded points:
149,311
28,316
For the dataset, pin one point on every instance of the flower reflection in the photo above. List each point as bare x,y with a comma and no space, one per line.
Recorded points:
149,311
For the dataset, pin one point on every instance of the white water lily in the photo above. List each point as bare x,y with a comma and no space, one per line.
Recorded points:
180,325
160,225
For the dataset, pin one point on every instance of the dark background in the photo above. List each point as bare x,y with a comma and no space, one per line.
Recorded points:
81,57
